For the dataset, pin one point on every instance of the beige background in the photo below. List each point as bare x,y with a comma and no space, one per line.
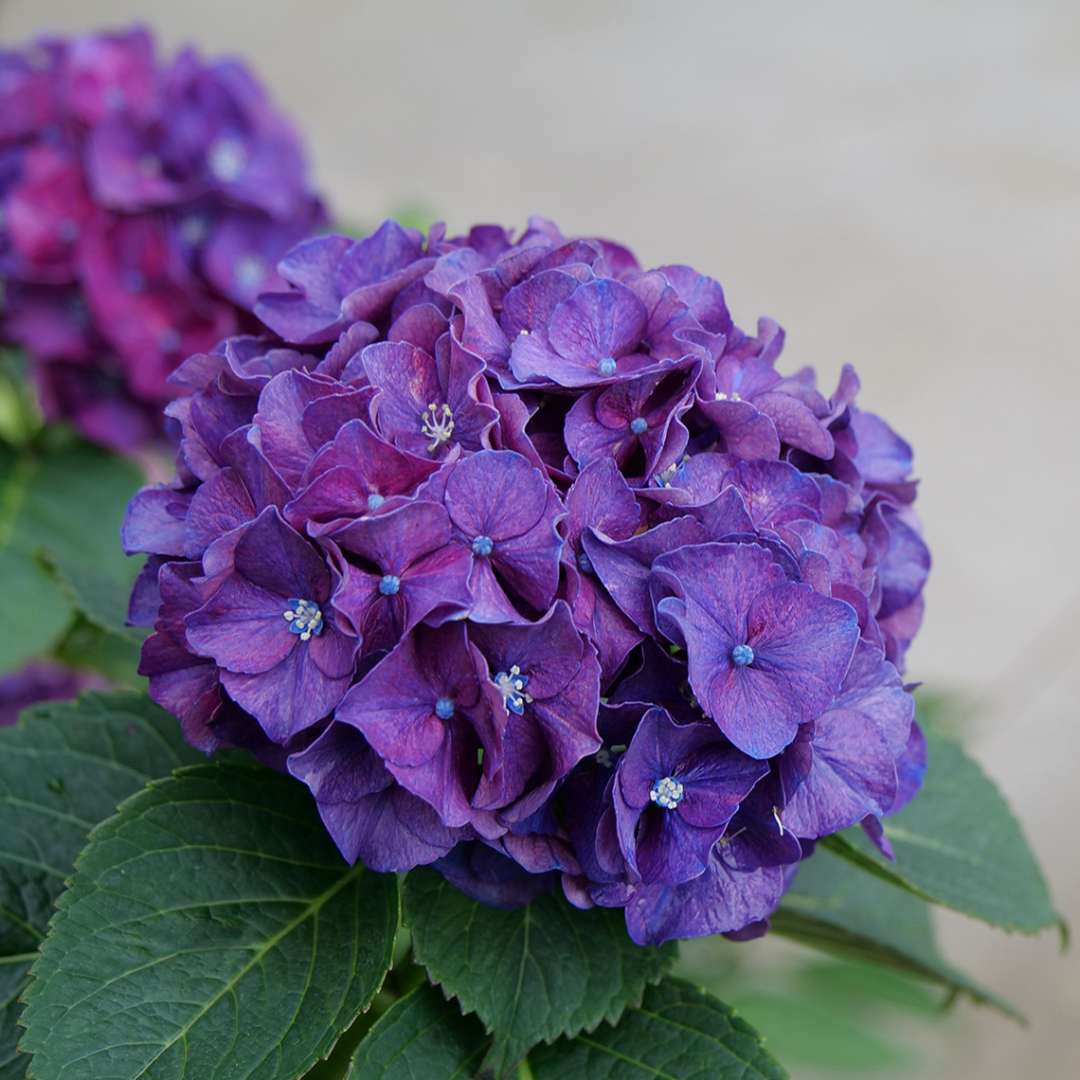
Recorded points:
899,184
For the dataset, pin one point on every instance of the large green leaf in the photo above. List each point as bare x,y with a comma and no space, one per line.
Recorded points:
43,608
13,975
64,767
833,907
530,973
958,844
211,929
420,1037
60,513
73,513
677,1033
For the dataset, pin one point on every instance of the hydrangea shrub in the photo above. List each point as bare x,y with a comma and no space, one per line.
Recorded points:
533,566
548,618
144,204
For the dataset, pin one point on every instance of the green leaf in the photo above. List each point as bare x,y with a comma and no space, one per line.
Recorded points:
677,1033
63,768
116,656
809,1033
44,609
530,973
60,514
74,510
832,907
13,973
958,844
211,929
20,417
420,1037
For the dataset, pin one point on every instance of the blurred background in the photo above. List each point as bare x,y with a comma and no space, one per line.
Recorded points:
899,185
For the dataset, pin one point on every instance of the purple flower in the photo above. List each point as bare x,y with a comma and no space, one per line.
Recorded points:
546,682
505,512
635,421
370,816
426,712
356,474
676,789
764,654
527,561
143,204
397,569
427,404
337,281
269,629
594,336
725,898
599,498
851,750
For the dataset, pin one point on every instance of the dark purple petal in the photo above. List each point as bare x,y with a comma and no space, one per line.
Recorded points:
369,815
729,599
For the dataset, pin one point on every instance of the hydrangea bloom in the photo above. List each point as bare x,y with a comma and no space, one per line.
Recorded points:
532,566
143,207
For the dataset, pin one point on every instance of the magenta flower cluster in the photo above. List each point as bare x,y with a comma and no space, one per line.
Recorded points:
531,565
143,207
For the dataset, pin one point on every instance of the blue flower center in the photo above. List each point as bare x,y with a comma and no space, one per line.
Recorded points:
249,271
304,618
437,423
584,563
374,501
444,708
742,655
389,584
639,425
512,685
667,793
606,367
227,159
483,545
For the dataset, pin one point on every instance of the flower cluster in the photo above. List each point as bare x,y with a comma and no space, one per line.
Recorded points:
143,207
531,565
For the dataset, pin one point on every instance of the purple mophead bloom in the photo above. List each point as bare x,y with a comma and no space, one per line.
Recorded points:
144,205
535,569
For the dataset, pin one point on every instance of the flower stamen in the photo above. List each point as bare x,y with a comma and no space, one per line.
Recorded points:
437,423
304,618
512,685
667,793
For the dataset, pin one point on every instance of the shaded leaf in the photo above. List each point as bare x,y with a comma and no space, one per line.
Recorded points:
420,1037
833,907
806,1032
13,976
530,973
77,535
60,515
958,844
211,929
63,768
86,646
677,1033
